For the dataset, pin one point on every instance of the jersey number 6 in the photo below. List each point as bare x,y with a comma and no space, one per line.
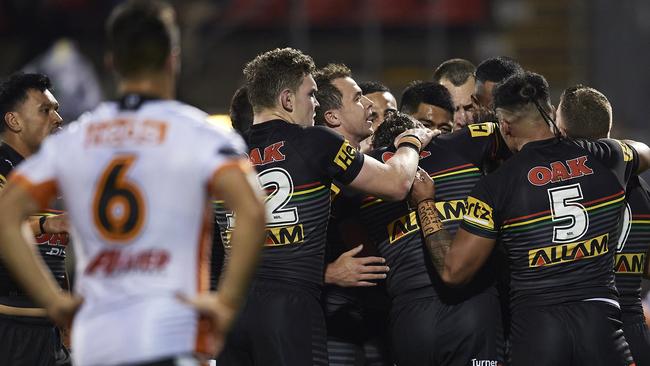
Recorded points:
118,205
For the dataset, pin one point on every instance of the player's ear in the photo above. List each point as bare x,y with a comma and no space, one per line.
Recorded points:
287,100
332,119
12,122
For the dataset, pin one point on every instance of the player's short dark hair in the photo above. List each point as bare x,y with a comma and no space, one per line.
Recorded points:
328,95
456,70
271,72
428,92
497,69
520,89
394,124
586,112
241,111
141,35
13,91
369,87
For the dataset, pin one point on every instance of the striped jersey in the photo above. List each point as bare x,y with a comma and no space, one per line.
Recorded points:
296,166
633,246
555,207
134,177
455,162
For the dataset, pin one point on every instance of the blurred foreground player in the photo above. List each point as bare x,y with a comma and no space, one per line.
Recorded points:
282,322
555,207
584,112
30,114
138,249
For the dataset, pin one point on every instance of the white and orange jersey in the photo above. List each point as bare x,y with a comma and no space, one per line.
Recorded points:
135,185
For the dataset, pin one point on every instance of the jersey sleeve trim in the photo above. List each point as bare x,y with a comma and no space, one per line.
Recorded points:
42,193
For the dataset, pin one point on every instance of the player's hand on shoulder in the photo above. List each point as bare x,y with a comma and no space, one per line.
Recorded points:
423,188
63,308
423,134
350,271
56,224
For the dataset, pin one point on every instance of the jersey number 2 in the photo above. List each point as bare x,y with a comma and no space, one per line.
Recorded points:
118,204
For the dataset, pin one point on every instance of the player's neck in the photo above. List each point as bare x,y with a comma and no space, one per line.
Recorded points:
353,140
272,114
17,144
538,134
161,87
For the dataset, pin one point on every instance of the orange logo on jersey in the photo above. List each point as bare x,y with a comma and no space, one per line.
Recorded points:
270,154
115,261
571,252
629,263
559,171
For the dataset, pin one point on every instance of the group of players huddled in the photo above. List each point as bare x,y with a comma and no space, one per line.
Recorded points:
472,223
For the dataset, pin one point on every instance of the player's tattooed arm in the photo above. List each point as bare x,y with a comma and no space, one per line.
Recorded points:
437,240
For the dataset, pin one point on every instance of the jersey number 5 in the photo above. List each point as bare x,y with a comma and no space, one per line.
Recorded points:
565,206
118,204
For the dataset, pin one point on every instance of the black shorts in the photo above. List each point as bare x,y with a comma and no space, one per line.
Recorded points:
357,325
428,332
638,337
585,333
280,325
28,341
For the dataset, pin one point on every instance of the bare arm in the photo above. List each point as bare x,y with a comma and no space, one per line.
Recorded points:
455,259
393,179
18,252
644,154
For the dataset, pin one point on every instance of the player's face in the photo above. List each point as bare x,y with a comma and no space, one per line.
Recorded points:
383,102
355,110
305,102
38,117
483,93
433,117
462,98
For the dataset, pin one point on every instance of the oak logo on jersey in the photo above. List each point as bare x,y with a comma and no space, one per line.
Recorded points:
403,226
629,263
269,154
481,129
345,156
479,213
559,171
389,154
275,236
571,252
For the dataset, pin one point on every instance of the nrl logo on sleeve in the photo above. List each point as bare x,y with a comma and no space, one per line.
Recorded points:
479,213
571,252
559,171
481,129
345,156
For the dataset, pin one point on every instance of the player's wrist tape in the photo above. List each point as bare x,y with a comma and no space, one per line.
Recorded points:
410,141
41,224
429,220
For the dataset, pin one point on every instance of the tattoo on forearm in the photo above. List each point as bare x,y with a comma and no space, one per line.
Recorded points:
437,239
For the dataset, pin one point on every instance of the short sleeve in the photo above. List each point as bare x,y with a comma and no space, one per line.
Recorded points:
38,174
331,153
479,216
479,143
616,155
227,150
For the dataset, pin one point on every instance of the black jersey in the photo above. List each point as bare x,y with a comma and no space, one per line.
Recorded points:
633,246
555,207
455,162
296,166
51,246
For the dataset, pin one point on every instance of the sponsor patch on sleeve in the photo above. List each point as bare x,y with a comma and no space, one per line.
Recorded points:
627,151
479,213
481,129
345,156
3,181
